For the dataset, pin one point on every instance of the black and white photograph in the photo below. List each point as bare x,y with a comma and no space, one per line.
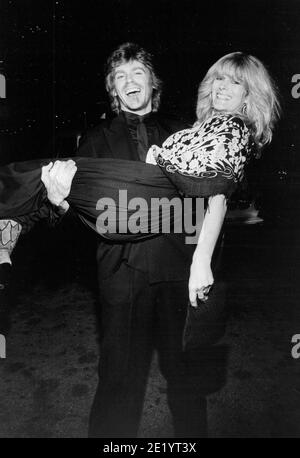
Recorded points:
149,221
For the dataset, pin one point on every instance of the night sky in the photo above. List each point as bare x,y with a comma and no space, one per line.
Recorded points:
53,53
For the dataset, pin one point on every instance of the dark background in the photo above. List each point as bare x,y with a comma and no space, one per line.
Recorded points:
53,52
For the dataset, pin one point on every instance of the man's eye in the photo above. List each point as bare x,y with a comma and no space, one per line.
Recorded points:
219,78
237,82
138,72
119,76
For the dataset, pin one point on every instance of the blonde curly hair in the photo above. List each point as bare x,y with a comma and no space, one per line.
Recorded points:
262,109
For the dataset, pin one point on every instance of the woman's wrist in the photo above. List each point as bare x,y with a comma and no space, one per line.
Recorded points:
201,255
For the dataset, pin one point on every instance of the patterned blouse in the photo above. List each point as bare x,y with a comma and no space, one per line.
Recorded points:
207,159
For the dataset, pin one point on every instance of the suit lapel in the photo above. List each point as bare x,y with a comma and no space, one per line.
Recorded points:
164,131
117,130
115,134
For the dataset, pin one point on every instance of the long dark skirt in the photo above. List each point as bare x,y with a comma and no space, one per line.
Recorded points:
117,198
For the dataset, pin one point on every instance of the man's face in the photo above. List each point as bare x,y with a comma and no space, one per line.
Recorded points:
133,87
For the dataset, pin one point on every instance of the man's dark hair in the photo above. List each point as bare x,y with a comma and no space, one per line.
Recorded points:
123,54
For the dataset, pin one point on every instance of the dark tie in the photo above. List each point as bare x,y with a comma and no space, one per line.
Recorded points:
142,139
139,133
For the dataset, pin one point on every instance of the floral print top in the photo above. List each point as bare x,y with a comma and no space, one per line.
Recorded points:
218,148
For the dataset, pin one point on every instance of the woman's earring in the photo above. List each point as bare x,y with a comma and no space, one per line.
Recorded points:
244,109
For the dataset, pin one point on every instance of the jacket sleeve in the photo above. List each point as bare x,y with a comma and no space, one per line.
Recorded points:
86,147
92,143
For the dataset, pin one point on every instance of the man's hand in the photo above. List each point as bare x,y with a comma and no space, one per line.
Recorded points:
201,279
57,179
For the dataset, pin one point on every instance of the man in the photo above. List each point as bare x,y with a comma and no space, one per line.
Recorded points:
143,286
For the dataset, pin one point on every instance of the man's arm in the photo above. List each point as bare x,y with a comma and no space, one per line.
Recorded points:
200,274
87,147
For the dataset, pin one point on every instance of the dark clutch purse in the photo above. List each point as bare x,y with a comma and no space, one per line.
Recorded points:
205,324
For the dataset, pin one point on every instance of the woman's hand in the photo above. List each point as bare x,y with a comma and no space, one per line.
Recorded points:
201,278
152,155
57,179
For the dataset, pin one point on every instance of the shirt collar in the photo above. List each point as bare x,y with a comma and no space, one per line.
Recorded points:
134,119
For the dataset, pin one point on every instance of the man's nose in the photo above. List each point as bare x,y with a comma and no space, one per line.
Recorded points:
129,78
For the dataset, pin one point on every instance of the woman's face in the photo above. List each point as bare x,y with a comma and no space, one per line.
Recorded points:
228,94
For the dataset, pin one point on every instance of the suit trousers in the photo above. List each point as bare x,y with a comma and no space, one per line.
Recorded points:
136,318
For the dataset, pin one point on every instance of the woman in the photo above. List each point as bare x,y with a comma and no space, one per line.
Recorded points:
237,109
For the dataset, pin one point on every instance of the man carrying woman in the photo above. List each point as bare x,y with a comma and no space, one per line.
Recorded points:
145,285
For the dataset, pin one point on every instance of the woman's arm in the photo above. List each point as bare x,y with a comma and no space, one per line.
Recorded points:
200,274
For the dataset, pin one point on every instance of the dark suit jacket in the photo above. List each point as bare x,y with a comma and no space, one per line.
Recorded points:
164,257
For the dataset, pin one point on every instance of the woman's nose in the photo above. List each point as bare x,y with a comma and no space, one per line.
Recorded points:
223,84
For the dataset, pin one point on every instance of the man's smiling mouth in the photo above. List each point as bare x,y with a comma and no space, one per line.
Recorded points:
132,91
